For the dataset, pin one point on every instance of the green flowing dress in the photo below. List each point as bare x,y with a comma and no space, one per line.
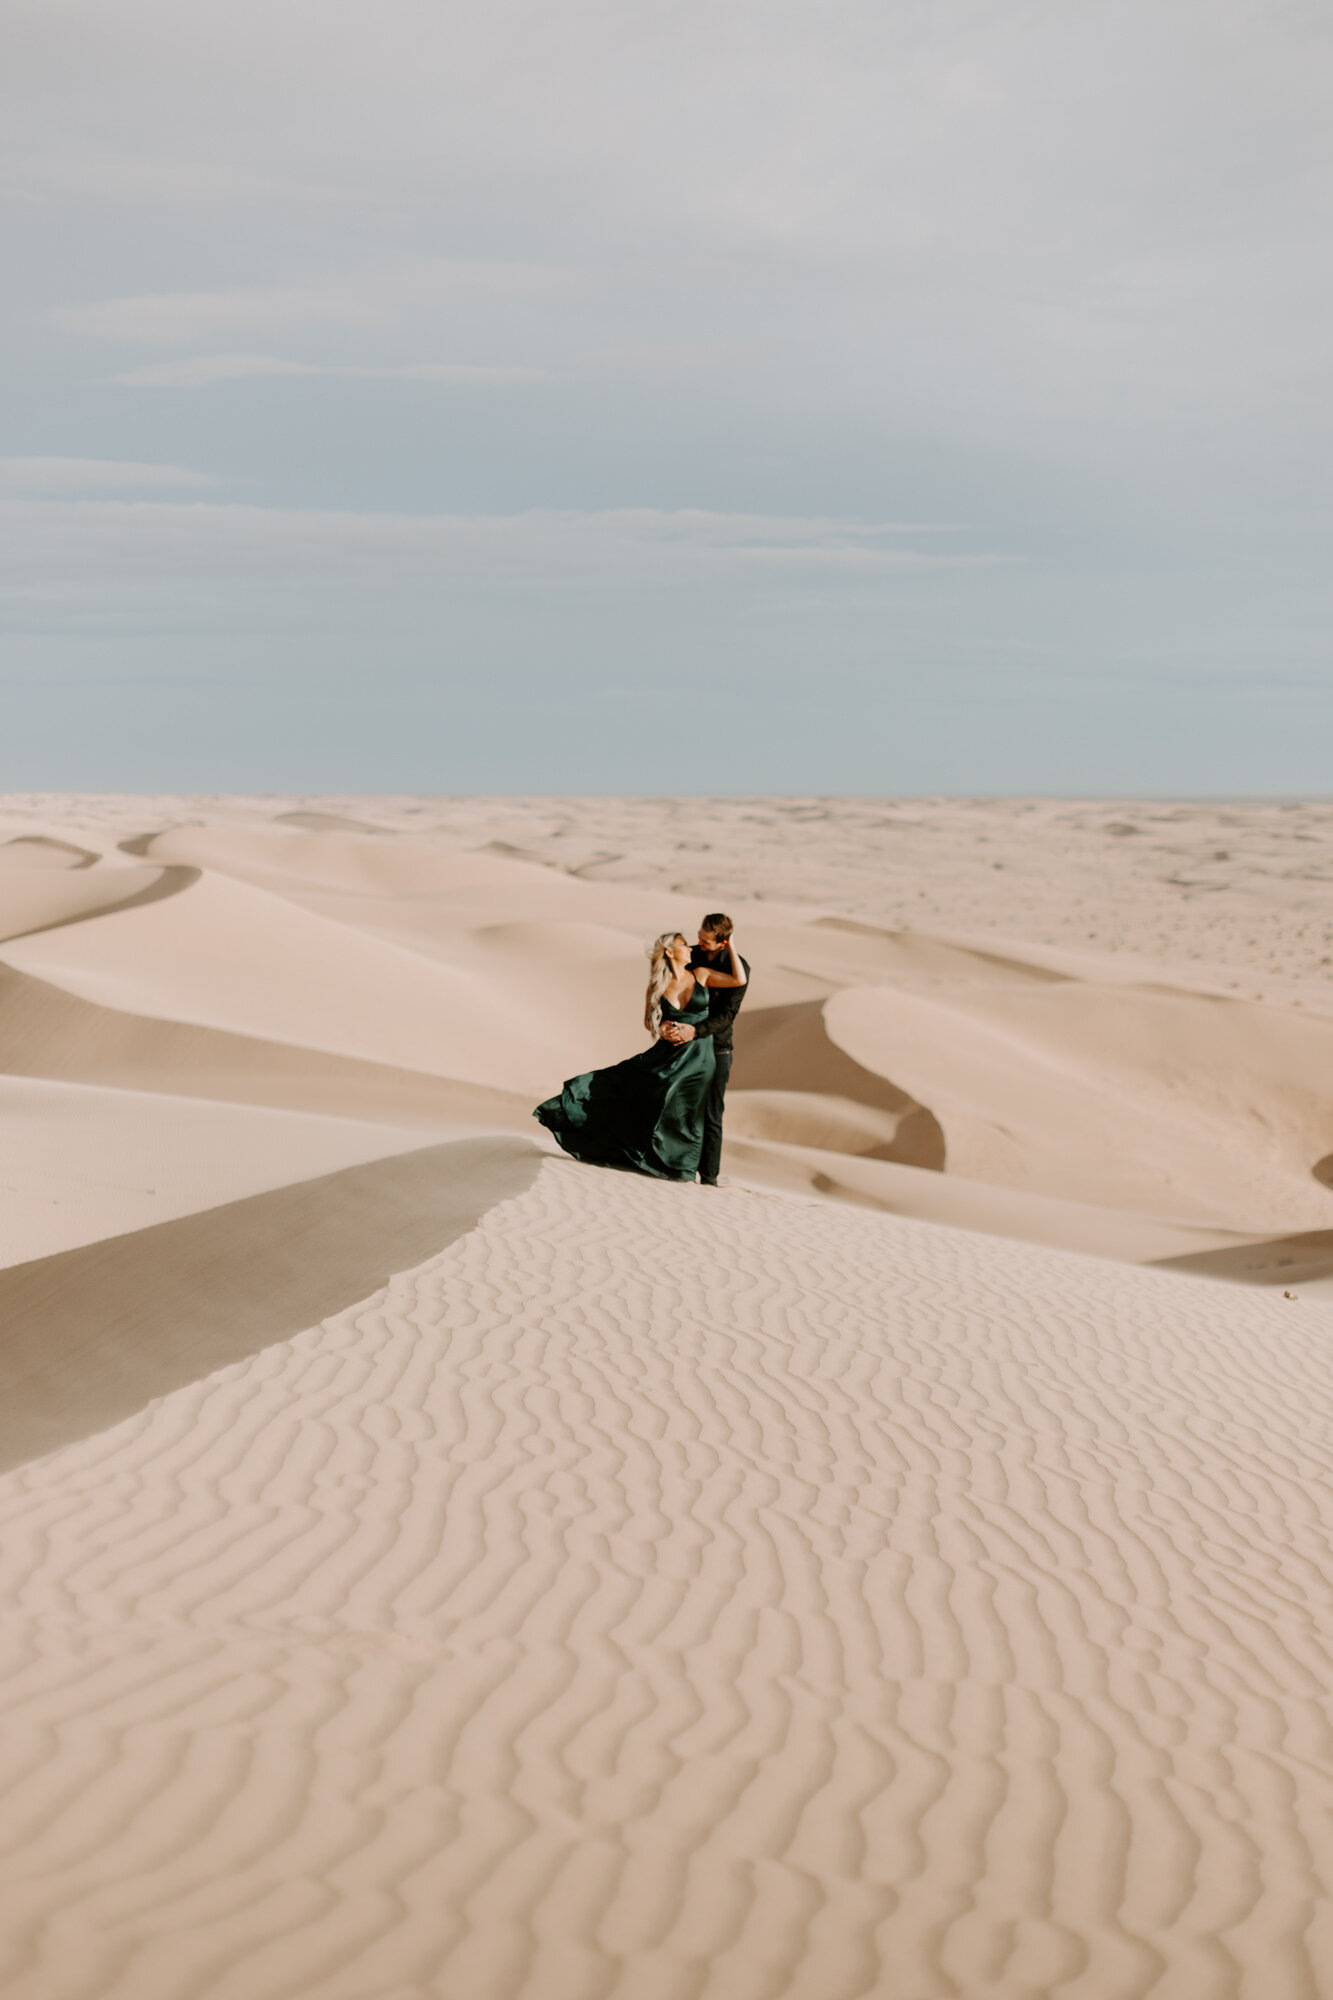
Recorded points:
646,1114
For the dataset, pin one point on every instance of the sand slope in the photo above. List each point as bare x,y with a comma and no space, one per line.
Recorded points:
46,895
83,1162
226,955
1205,1108
39,850
665,1596
895,1189
48,1032
95,1333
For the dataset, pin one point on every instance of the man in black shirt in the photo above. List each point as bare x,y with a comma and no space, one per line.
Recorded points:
723,1006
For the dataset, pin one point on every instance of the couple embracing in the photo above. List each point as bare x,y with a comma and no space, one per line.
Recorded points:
660,1113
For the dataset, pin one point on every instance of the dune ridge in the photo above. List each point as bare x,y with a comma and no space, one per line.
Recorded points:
48,1032
84,1162
782,1046
33,900
40,850
94,1333
661,1594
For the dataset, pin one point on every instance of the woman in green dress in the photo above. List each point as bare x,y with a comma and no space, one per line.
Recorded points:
647,1114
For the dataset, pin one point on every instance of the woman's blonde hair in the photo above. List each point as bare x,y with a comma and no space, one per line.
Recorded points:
659,978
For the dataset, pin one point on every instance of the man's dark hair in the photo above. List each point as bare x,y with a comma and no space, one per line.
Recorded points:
719,925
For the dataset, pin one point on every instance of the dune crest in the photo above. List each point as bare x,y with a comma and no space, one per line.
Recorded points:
322,822
48,899
1206,1107
47,1032
96,1333
84,1161
39,850
789,1049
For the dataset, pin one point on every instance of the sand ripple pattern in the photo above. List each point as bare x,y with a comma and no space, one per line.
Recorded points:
664,1595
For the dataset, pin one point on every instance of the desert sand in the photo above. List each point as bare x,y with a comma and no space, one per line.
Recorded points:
437,1568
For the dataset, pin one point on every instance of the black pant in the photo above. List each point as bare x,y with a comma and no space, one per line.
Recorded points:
710,1159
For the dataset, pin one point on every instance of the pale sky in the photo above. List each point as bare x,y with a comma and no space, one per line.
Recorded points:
797,395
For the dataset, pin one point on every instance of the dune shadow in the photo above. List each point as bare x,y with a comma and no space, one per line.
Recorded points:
65,852
322,822
1279,1260
1019,968
89,1336
1323,1170
45,1031
789,1048
169,883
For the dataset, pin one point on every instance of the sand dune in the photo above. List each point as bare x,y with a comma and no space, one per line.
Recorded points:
83,1161
1305,1260
855,1607
789,1050
38,850
1203,1107
98,1332
359,867
332,934
834,1124
868,1181
322,822
47,1032
1232,892
44,897
228,955
460,905
903,1572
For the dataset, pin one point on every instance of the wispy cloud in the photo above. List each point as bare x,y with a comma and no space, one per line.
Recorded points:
199,371
92,545
81,475
373,297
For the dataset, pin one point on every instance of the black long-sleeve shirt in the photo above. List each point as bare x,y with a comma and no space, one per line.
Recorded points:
724,1002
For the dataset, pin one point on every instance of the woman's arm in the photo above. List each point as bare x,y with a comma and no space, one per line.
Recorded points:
736,977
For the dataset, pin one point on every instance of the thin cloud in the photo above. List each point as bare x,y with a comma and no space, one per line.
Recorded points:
363,298
199,371
158,545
